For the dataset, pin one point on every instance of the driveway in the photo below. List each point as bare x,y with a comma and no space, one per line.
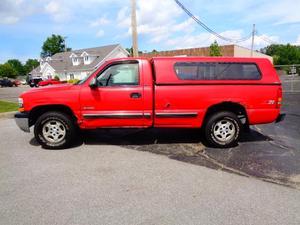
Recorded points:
109,184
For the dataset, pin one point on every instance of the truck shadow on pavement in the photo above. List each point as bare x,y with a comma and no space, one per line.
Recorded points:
257,155
268,152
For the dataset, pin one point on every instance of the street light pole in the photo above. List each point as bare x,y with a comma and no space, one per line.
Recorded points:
135,52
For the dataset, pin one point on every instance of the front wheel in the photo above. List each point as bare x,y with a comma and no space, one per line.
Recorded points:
55,130
223,129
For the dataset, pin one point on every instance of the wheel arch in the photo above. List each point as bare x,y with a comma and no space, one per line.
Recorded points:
37,111
230,106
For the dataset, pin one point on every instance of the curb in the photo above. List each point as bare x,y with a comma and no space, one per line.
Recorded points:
7,115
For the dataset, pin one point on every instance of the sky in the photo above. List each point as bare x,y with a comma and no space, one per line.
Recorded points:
162,25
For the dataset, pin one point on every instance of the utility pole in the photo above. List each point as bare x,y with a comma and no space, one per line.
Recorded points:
135,52
66,58
65,44
252,44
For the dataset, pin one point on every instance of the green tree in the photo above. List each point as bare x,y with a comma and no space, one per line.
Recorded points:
53,45
56,77
17,65
30,65
130,51
214,49
283,54
7,70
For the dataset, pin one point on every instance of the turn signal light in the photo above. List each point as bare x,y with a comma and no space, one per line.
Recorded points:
279,97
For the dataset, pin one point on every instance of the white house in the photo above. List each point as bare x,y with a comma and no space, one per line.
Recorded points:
76,64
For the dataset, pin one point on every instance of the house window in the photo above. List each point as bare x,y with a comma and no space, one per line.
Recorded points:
86,58
71,76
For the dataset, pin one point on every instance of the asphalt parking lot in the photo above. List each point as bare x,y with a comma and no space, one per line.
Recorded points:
11,93
268,152
103,183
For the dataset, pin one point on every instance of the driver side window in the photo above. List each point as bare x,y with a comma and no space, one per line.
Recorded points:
118,75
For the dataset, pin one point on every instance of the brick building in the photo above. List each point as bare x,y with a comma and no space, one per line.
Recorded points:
226,50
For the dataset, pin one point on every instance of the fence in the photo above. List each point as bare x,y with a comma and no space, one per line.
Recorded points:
290,83
289,76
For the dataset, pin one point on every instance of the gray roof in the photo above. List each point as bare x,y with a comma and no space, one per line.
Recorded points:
36,71
62,62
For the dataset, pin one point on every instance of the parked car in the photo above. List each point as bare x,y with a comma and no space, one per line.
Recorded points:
49,82
34,82
16,83
23,82
219,95
6,83
9,83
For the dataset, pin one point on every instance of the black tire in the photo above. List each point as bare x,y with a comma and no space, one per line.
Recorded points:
55,130
223,129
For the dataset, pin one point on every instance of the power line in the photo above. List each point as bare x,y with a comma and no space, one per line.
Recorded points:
209,29
268,40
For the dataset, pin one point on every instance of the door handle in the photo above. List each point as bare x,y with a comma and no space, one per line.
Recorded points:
135,95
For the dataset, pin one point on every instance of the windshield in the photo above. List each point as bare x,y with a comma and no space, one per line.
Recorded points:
83,80
86,78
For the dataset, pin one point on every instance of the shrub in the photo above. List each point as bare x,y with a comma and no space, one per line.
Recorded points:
73,81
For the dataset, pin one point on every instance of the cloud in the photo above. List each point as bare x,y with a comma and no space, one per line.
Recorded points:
205,39
58,11
261,41
10,20
189,41
277,11
298,40
156,28
62,11
100,33
12,11
172,29
100,22
201,39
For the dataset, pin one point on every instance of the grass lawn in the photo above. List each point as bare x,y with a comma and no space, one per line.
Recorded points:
8,106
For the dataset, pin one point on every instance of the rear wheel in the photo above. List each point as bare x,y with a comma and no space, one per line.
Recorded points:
223,129
55,130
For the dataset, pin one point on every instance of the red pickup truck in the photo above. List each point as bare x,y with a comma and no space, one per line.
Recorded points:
220,95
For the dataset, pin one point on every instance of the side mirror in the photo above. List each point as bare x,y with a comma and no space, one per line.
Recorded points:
93,83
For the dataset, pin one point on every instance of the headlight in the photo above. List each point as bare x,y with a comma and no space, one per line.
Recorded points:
20,101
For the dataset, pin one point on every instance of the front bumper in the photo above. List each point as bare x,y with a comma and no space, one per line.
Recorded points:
280,118
22,120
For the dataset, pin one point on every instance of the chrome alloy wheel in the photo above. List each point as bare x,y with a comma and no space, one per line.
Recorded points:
224,130
54,131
